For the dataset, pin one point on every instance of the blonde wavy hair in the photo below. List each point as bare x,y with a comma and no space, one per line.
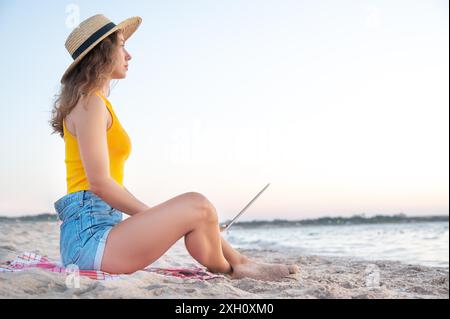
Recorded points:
87,76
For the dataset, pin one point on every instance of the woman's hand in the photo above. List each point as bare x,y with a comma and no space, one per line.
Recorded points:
143,209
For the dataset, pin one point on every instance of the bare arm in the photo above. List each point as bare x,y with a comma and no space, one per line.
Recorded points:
119,197
145,207
92,142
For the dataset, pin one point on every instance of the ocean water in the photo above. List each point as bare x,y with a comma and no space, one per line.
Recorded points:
413,243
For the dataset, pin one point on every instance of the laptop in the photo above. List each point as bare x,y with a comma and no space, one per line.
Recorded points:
227,226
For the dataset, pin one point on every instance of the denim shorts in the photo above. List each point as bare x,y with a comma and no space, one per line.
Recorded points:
86,223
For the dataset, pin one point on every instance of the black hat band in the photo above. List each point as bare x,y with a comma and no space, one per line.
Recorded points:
94,37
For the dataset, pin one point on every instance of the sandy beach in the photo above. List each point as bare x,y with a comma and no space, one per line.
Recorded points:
319,277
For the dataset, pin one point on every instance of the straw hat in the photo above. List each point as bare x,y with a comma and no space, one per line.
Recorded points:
93,30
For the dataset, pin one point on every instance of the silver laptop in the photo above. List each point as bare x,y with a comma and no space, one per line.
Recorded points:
227,226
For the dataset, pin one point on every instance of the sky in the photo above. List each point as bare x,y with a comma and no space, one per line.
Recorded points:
343,106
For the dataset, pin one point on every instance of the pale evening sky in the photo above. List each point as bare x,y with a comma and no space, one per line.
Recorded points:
343,106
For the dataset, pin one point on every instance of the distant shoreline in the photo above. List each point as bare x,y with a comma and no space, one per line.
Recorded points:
335,221
342,221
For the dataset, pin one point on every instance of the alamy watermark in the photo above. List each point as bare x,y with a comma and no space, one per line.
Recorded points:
73,276
372,275
202,143
73,18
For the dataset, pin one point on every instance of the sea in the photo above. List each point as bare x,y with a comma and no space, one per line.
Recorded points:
422,243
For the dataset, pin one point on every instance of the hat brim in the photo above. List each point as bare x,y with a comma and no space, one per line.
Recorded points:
128,27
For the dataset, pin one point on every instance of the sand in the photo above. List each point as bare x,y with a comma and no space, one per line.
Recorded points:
319,277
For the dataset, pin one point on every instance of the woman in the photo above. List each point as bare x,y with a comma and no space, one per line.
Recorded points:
93,235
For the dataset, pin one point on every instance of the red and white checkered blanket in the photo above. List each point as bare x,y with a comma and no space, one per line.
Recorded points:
32,260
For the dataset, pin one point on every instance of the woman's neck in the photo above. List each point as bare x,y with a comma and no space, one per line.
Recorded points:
105,89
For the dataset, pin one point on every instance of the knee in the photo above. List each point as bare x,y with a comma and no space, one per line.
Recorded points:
206,210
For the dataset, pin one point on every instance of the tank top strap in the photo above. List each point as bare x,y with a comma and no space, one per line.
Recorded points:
98,93
108,104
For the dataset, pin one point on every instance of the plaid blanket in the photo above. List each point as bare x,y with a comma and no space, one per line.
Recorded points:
29,260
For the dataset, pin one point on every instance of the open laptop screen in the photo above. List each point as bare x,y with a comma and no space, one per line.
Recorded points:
227,226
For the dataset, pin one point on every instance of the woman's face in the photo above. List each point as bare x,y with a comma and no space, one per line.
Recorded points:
122,58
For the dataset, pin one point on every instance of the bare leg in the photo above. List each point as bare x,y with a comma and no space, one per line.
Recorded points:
233,256
140,240
243,266
203,243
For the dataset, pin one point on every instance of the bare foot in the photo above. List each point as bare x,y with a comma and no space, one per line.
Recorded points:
262,271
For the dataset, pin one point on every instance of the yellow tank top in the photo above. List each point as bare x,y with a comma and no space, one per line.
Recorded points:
119,148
